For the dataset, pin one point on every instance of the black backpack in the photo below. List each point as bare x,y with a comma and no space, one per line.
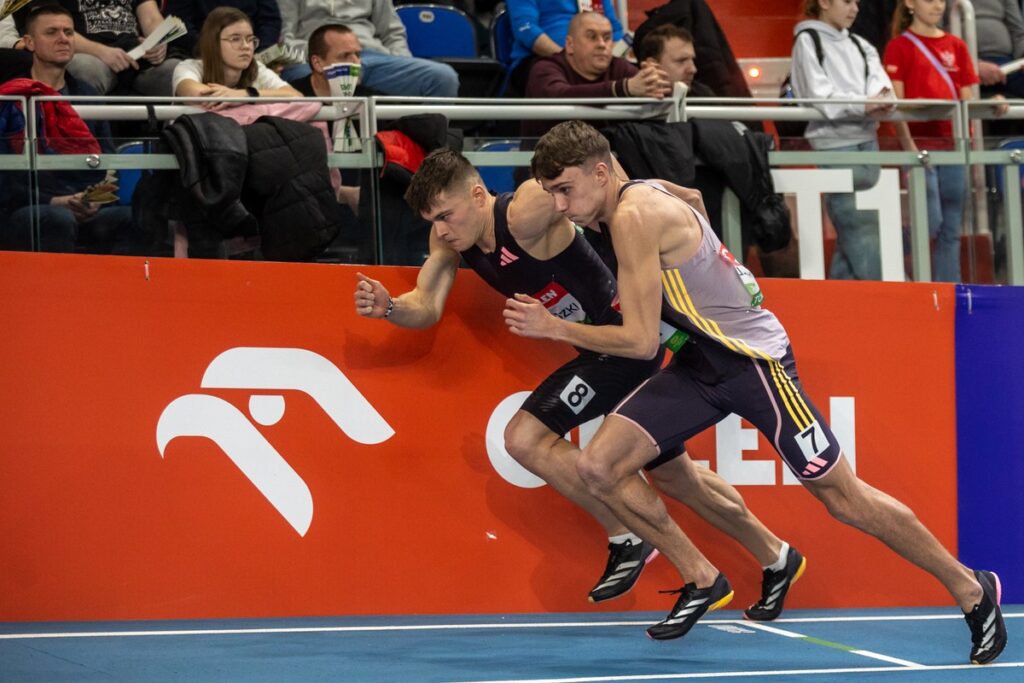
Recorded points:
795,129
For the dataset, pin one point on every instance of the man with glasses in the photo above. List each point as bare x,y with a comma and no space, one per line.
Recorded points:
227,67
265,16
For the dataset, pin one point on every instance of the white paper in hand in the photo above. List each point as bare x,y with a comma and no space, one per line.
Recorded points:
171,28
1010,67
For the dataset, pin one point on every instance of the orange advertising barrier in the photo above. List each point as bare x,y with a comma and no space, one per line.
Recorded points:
186,439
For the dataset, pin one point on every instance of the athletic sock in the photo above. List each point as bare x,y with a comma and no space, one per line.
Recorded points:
780,563
628,536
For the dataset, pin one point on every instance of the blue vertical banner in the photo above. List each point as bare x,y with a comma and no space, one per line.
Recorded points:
990,432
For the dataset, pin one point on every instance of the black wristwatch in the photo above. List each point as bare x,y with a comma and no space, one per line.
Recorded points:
252,92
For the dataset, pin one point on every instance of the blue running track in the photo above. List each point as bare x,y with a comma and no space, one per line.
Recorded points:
912,645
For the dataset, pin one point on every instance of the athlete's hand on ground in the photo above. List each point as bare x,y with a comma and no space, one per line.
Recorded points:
371,297
527,317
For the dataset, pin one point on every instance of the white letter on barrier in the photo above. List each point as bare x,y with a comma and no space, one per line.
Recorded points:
808,185
731,439
884,198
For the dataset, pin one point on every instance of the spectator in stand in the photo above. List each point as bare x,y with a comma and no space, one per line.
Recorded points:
850,68
671,47
227,66
66,220
540,27
1000,40
586,68
105,33
924,61
264,14
388,65
333,44
330,44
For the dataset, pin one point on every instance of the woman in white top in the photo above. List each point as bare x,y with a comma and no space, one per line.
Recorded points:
846,69
227,66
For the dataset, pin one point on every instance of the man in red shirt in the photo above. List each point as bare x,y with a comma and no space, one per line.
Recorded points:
586,68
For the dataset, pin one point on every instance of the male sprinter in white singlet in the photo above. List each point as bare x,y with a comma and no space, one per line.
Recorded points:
741,362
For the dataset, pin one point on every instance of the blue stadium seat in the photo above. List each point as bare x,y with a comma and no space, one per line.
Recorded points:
501,45
502,38
128,178
499,178
438,31
1009,143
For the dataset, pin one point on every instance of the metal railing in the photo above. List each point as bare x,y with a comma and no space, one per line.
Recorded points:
368,111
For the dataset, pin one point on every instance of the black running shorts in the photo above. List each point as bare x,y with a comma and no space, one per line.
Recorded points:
589,386
705,382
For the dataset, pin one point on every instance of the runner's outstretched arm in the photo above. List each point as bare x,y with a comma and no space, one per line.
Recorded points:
421,307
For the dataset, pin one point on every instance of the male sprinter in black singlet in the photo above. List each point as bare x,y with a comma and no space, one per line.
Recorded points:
524,245
671,264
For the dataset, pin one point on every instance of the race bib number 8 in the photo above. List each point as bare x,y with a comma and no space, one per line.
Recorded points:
577,394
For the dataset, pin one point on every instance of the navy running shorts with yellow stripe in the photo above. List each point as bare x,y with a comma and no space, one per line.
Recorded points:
705,382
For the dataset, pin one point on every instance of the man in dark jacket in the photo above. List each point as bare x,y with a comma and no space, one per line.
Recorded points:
715,61
66,219
586,68
672,48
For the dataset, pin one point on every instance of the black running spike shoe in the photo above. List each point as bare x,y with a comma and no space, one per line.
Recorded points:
988,632
775,585
625,562
693,603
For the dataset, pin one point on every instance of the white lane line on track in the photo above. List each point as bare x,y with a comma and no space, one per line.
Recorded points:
444,627
837,646
751,674
887,658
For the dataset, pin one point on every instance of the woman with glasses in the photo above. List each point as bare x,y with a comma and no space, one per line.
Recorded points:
264,14
227,66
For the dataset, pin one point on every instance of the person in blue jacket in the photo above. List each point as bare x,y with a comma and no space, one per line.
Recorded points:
539,28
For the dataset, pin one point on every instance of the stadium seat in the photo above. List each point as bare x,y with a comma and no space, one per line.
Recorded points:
447,35
499,178
438,31
502,38
1009,143
128,178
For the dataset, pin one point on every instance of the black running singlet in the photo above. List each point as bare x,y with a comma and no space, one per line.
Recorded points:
574,285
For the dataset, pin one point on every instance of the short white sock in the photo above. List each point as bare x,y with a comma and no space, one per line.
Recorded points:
780,563
628,536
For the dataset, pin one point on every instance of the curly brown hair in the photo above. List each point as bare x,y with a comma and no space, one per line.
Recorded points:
572,143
